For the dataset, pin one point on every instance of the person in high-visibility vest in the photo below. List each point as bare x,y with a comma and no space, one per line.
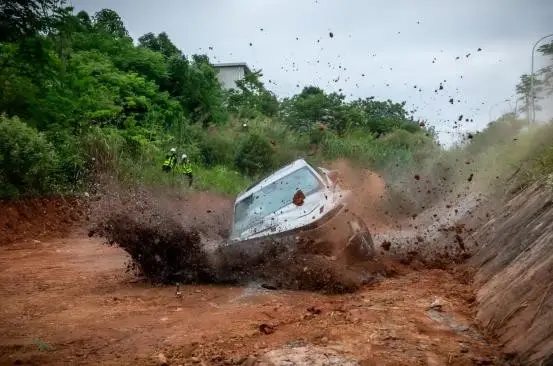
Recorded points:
170,160
186,168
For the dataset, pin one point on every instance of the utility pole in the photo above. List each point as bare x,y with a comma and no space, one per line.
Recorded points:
532,96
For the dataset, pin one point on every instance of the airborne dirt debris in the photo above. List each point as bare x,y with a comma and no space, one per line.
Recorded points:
166,252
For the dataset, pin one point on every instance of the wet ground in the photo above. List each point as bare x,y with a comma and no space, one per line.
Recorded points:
70,301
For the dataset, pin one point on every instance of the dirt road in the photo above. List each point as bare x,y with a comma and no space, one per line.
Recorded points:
69,301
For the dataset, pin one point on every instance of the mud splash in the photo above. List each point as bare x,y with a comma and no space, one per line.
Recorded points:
165,252
369,197
176,239
160,248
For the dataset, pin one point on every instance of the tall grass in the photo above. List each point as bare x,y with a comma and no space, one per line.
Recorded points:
502,159
214,152
143,166
221,179
491,158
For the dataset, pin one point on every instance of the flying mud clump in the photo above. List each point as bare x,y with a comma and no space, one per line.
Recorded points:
160,248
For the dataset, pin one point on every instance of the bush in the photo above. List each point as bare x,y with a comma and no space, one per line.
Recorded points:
28,163
217,149
549,182
73,168
543,163
255,155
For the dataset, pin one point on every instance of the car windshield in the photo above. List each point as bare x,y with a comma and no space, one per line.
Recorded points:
273,197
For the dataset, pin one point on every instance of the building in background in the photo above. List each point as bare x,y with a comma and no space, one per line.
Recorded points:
229,73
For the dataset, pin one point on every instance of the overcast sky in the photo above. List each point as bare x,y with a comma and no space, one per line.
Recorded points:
395,44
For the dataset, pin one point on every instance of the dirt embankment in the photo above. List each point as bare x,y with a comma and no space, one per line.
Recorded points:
38,218
508,245
515,275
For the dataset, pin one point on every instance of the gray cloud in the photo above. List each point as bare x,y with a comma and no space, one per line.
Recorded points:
393,42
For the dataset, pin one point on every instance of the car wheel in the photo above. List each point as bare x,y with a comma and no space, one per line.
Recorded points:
360,246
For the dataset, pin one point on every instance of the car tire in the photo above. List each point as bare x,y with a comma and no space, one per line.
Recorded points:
360,247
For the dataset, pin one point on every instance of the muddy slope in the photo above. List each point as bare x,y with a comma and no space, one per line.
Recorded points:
38,218
515,276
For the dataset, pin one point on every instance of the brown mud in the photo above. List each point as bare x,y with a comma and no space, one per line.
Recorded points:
164,251
171,239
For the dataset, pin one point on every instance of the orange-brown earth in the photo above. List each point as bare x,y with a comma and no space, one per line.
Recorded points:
70,301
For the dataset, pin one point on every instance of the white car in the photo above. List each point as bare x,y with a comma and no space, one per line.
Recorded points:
299,202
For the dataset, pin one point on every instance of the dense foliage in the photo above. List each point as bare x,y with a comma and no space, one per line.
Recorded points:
78,95
27,158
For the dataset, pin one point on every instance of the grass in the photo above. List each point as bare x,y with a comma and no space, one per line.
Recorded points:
220,179
41,345
525,158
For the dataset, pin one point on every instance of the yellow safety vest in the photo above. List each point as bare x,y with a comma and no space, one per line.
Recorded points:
186,168
170,161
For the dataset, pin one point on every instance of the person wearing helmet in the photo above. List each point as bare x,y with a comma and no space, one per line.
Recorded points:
186,168
170,160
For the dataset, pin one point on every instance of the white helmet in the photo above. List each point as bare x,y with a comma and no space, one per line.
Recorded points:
173,150
184,156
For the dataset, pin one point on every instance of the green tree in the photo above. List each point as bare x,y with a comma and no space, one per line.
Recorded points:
161,44
200,92
543,82
27,161
251,96
524,92
382,117
109,21
24,18
546,73
313,106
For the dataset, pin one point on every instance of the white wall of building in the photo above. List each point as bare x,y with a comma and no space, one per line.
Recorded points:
228,75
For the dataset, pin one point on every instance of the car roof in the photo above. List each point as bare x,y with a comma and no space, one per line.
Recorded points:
282,172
